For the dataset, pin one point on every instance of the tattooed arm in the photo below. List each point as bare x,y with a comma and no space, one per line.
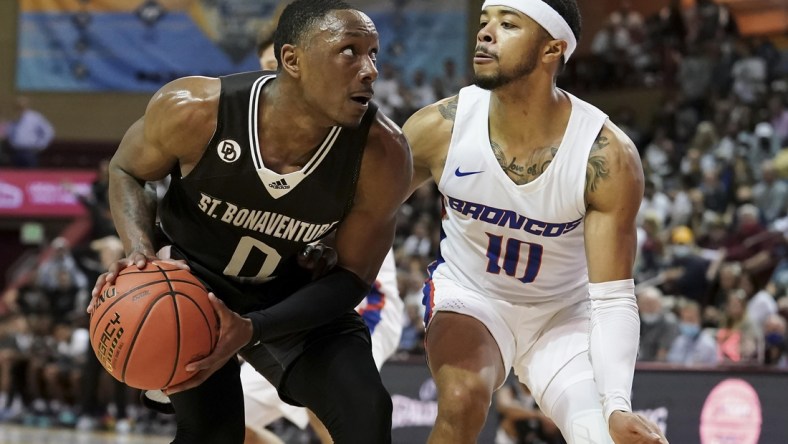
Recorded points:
614,188
429,132
178,123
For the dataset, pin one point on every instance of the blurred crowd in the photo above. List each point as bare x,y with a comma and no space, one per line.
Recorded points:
712,266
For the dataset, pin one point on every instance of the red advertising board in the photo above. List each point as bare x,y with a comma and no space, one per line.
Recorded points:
43,193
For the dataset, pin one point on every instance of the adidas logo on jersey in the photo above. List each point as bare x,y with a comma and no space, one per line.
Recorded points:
280,184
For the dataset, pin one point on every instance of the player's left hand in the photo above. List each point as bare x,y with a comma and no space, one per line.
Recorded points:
319,257
234,333
632,428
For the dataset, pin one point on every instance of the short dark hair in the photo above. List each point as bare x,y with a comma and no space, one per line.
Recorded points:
298,18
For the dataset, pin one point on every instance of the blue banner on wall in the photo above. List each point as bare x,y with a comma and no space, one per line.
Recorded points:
139,45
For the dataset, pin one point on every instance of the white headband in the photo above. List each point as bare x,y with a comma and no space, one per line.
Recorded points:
544,15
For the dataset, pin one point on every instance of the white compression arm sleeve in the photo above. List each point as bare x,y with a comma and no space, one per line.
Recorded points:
615,336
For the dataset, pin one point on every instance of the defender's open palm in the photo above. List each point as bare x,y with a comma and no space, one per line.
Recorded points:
631,428
234,333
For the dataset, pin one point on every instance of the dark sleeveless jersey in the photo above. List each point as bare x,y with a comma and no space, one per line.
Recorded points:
232,216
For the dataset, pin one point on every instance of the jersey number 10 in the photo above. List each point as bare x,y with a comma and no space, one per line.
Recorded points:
511,258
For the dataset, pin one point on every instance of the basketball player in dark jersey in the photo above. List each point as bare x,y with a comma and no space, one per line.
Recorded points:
261,164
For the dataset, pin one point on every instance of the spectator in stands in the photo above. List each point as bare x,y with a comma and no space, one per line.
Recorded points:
776,352
685,273
37,409
419,243
761,145
658,327
660,155
749,74
654,202
387,93
451,80
731,277
778,117
15,340
715,195
412,339
61,373
677,189
651,249
28,134
694,76
738,338
421,90
92,405
763,304
771,193
520,419
63,297
693,345
97,203
61,260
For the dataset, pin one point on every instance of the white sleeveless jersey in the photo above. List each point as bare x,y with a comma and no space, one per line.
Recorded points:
519,243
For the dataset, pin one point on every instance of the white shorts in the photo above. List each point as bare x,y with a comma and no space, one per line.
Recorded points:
383,310
262,405
536,340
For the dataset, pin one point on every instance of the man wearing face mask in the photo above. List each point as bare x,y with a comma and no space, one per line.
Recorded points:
685,274
776,353
658,327
692,346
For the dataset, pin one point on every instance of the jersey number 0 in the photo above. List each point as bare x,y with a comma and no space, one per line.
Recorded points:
241,255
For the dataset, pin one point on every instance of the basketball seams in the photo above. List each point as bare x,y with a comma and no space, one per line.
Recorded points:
172,293
118,298
177,359
215,339
140,324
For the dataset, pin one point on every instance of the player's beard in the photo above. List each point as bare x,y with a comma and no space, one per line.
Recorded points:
499,78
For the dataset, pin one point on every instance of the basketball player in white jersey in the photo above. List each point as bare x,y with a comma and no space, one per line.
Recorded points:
540,192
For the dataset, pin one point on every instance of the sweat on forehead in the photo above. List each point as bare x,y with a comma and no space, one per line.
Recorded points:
543,14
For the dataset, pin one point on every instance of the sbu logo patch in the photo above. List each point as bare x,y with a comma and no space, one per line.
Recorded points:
229,150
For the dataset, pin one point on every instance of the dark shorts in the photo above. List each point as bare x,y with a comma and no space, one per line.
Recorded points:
273,360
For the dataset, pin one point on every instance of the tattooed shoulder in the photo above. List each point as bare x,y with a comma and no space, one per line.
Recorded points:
448,109
600,142
597,169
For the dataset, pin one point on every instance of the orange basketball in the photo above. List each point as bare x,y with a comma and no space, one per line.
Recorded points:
151,323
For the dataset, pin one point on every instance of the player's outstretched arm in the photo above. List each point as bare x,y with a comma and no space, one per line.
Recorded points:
614,190
176,127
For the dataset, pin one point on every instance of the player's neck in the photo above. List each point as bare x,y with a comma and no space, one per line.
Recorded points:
528,112
289,131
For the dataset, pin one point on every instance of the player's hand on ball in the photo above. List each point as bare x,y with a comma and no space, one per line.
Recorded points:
319,258
234,333
631,428
136,258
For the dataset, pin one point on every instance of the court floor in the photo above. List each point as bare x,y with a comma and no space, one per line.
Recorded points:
15,434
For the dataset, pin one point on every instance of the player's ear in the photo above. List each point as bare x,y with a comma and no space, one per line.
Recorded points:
553,50
290,60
